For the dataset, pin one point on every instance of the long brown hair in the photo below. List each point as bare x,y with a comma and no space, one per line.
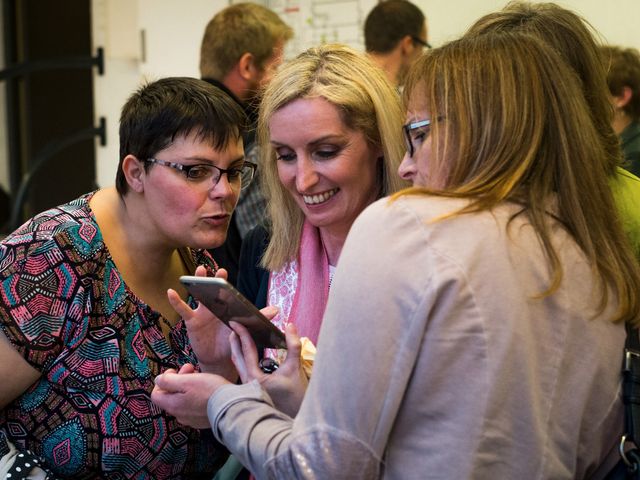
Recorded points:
517,128
576,42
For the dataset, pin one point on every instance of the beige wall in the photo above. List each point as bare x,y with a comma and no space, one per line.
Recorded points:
173,30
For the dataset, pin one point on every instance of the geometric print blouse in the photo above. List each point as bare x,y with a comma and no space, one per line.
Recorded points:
65,307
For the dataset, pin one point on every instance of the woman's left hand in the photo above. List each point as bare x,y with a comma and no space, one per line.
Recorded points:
288,384
209,337
185,394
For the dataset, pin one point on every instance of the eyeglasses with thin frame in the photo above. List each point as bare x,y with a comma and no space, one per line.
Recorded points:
419,41
410,127
205,171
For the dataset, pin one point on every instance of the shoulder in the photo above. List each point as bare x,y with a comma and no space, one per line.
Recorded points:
427,219
625,187
69,229
258,237
254,245
251,276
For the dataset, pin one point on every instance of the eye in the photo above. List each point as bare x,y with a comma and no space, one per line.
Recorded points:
285,155
419,135
327,153
234,173
199,172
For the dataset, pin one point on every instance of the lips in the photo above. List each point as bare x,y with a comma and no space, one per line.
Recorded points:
319,197
217,219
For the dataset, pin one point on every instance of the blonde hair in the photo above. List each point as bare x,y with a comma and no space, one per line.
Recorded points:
575,40
238,29
367,103
517,128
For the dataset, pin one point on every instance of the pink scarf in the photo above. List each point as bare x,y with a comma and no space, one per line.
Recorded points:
308,299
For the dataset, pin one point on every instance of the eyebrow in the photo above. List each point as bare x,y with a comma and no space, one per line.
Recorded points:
207,161
239,160
325,138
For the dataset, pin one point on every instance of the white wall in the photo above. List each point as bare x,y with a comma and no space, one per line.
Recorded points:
617,21
173,30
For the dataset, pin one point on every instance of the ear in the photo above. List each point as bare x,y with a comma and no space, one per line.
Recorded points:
133,170
620,101
406,45
247,66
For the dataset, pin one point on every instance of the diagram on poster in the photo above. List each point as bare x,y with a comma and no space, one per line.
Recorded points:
322,21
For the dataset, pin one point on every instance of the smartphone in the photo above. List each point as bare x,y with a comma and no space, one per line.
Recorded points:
227,303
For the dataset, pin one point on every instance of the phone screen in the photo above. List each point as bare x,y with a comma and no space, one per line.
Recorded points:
228,304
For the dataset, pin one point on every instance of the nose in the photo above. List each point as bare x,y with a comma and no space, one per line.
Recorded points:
306,175
407,169
222,189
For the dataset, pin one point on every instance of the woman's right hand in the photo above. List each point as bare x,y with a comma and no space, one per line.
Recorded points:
207,334
288,384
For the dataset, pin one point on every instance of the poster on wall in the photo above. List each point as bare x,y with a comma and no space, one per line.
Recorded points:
316,22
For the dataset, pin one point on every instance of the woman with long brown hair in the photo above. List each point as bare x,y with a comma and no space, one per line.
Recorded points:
473,319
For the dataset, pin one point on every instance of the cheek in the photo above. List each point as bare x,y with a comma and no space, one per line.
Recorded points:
181,201
286,174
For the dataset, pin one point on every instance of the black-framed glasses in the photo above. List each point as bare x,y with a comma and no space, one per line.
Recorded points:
206,171
419,41
408,137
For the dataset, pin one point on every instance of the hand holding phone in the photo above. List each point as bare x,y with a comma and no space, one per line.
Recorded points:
228,304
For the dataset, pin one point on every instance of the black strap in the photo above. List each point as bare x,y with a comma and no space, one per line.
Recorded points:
631,384
631,397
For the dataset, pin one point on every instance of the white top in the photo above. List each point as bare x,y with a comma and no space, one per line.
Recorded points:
435,360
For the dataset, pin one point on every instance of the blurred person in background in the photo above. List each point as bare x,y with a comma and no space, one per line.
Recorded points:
623,77
242,47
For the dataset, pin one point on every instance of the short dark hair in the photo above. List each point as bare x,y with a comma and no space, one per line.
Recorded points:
624,71
159,112
389,22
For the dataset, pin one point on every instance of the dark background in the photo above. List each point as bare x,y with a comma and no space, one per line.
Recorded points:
48,106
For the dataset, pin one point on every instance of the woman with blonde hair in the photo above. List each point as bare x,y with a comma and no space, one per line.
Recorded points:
473,319
329,123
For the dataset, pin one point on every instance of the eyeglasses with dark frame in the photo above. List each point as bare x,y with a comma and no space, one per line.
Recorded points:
205,171
408,128
419,41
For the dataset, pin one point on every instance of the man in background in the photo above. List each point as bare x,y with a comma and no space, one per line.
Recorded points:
624,84
241,49
395,34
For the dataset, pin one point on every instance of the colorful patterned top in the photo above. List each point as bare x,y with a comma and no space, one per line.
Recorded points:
65,307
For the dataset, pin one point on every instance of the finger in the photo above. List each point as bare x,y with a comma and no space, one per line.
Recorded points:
249,350
270,311
157,394
179,305
164,400
201,271
294,344
187,368
238,358
170,382
222,273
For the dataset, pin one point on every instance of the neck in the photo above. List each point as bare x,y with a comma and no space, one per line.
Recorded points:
129,236
620,121
333,241
236,85
389,63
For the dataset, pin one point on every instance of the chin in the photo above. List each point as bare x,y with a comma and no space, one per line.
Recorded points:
208,242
